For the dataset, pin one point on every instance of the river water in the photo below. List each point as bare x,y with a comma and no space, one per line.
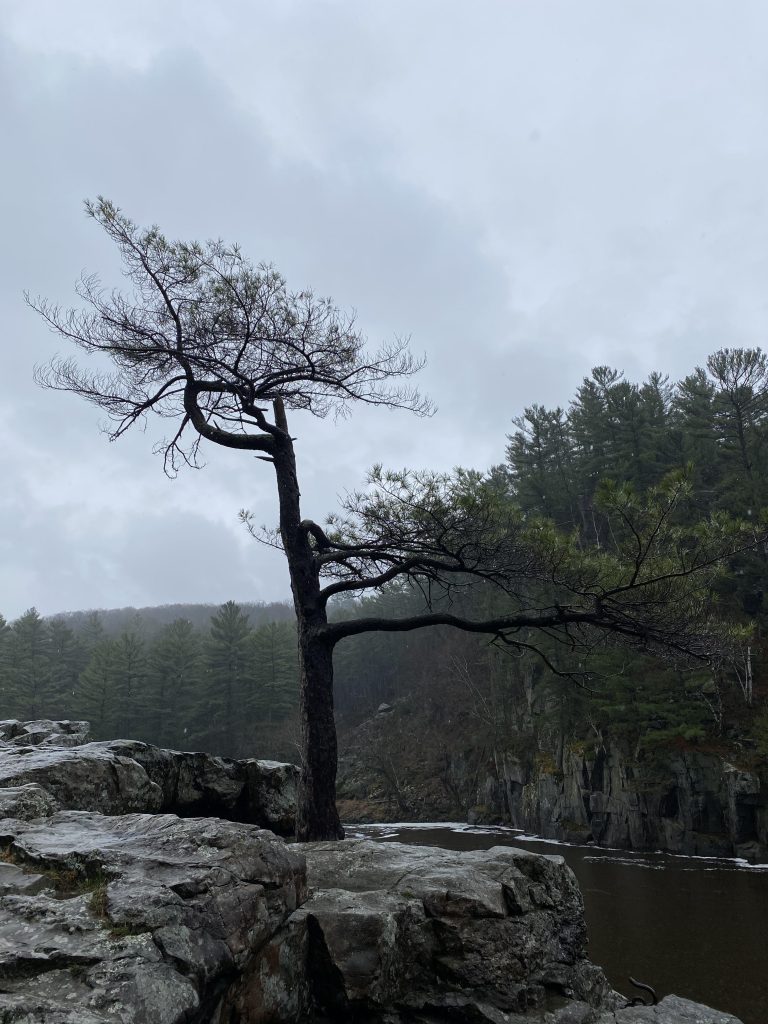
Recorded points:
693,926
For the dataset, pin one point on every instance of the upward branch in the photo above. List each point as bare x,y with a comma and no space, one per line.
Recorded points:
208,339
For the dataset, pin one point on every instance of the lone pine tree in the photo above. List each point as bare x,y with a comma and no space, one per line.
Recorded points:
224,349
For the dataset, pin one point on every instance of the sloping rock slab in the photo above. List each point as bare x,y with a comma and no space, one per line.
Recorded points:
146,918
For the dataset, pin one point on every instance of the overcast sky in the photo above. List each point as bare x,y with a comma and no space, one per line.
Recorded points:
526,187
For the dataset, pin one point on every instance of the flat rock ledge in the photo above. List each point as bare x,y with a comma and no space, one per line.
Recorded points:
113,915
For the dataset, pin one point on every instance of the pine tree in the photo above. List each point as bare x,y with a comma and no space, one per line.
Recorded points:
540,459
5,667
176,676
68,657
130,676
30,667
92,631
274,692
228,654
95,697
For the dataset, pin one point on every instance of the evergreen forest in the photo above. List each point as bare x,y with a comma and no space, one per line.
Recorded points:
225,680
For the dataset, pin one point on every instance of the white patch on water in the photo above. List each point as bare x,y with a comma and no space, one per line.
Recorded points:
632,858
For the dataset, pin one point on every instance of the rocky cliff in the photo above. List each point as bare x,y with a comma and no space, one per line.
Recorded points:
698,803
117,911
421,766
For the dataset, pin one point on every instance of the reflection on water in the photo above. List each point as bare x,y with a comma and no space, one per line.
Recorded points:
694,926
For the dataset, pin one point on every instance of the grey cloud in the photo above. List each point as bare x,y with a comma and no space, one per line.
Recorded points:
406,263
527,190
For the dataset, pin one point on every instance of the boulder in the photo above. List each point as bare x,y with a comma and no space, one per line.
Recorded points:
44,731
136,917
193,783
88,777
395,929
27,802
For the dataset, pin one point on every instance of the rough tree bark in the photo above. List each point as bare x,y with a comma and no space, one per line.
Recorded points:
317,817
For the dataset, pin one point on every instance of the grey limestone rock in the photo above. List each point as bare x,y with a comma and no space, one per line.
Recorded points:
143,918
88,777
46,766
393,929
258,792
27,801
64,733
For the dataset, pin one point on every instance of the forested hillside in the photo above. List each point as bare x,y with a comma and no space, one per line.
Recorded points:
229,688
152,619
713,425
225,680
468,707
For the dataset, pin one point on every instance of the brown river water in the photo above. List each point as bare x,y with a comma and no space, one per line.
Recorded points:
693,926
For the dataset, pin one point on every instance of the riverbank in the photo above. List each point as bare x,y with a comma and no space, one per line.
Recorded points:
694,926
686,798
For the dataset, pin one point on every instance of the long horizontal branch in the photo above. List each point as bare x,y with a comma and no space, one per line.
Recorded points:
551,618
336,631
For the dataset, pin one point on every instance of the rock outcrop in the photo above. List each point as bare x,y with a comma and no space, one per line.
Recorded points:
135,918
394,934
393,929
700,805
682,800
108,917
125,776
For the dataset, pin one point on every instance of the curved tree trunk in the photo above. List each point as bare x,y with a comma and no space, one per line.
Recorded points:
316,817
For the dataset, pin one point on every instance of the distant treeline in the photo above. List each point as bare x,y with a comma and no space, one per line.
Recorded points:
153,618
226,686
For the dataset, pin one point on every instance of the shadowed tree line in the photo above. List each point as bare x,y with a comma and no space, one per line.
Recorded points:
230,689
713,427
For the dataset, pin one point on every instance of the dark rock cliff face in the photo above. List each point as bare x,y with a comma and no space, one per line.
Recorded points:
687,801
700,804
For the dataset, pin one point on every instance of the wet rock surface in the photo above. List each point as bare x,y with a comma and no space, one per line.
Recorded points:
46,766
258,792
415,925
393,929
136,917
112,915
